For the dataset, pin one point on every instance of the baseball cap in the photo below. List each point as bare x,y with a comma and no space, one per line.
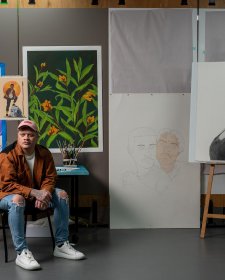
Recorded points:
29,124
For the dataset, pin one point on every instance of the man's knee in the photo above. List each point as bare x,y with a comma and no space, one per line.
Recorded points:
63,195
18,200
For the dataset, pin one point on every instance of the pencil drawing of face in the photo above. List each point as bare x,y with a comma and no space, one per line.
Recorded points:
141,147
167,150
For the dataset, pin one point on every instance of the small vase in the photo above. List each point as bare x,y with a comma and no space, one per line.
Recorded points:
71,162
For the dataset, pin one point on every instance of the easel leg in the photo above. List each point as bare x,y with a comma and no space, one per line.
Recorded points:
207,199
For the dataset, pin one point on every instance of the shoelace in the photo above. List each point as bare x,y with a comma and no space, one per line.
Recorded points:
29,254
69,245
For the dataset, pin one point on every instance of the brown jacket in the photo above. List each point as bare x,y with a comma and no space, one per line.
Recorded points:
15,175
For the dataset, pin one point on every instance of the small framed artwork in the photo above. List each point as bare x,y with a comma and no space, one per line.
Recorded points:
13,98
65,95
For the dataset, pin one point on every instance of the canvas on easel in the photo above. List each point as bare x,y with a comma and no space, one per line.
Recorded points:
207,126
13,98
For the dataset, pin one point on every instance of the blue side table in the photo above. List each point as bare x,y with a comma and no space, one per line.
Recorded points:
74,173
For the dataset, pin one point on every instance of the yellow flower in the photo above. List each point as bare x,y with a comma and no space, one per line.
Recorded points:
89,95
40,84
62,78
90,119
43,64
47,106
53,130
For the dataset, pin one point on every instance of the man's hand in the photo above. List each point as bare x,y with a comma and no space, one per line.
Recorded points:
40,205
42,196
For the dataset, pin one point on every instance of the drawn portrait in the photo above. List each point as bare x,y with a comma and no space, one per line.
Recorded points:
65,95
13,97
170,145
142,149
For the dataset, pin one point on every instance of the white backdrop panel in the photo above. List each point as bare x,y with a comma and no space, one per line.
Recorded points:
146,189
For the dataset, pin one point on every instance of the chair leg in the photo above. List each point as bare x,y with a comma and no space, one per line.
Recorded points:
51,230
25,224
4,236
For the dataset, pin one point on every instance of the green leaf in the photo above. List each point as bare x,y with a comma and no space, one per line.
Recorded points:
95,103
42,123
61,72
75,111
63,96
93,144
91,113
57,112
31,88
64,110
79,123
43,75
59,87
48,87
53,76
68,72
51,139
43,135
84,113
89,136
34,101
80,63
84,85
73,80
76,68
66,136
36,119
42,114
36,74
94,89
71,128
93,127
86,71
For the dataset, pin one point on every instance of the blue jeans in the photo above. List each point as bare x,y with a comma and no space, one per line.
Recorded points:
16,219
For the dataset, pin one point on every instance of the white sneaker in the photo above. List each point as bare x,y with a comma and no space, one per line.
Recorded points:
68,252
26,260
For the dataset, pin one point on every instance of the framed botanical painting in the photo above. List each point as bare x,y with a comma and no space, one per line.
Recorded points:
13,98
65,95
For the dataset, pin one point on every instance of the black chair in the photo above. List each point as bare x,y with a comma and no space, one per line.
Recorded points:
3,226
29,210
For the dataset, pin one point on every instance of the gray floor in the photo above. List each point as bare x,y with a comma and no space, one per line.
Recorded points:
156,254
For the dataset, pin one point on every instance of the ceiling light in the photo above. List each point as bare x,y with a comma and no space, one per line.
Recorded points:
94,2
212,2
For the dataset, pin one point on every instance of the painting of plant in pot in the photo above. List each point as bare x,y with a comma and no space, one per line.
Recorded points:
65,95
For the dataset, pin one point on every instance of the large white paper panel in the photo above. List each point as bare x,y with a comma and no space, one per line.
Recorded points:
209,99
143,192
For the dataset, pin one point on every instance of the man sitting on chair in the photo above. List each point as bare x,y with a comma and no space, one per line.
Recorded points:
27,173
